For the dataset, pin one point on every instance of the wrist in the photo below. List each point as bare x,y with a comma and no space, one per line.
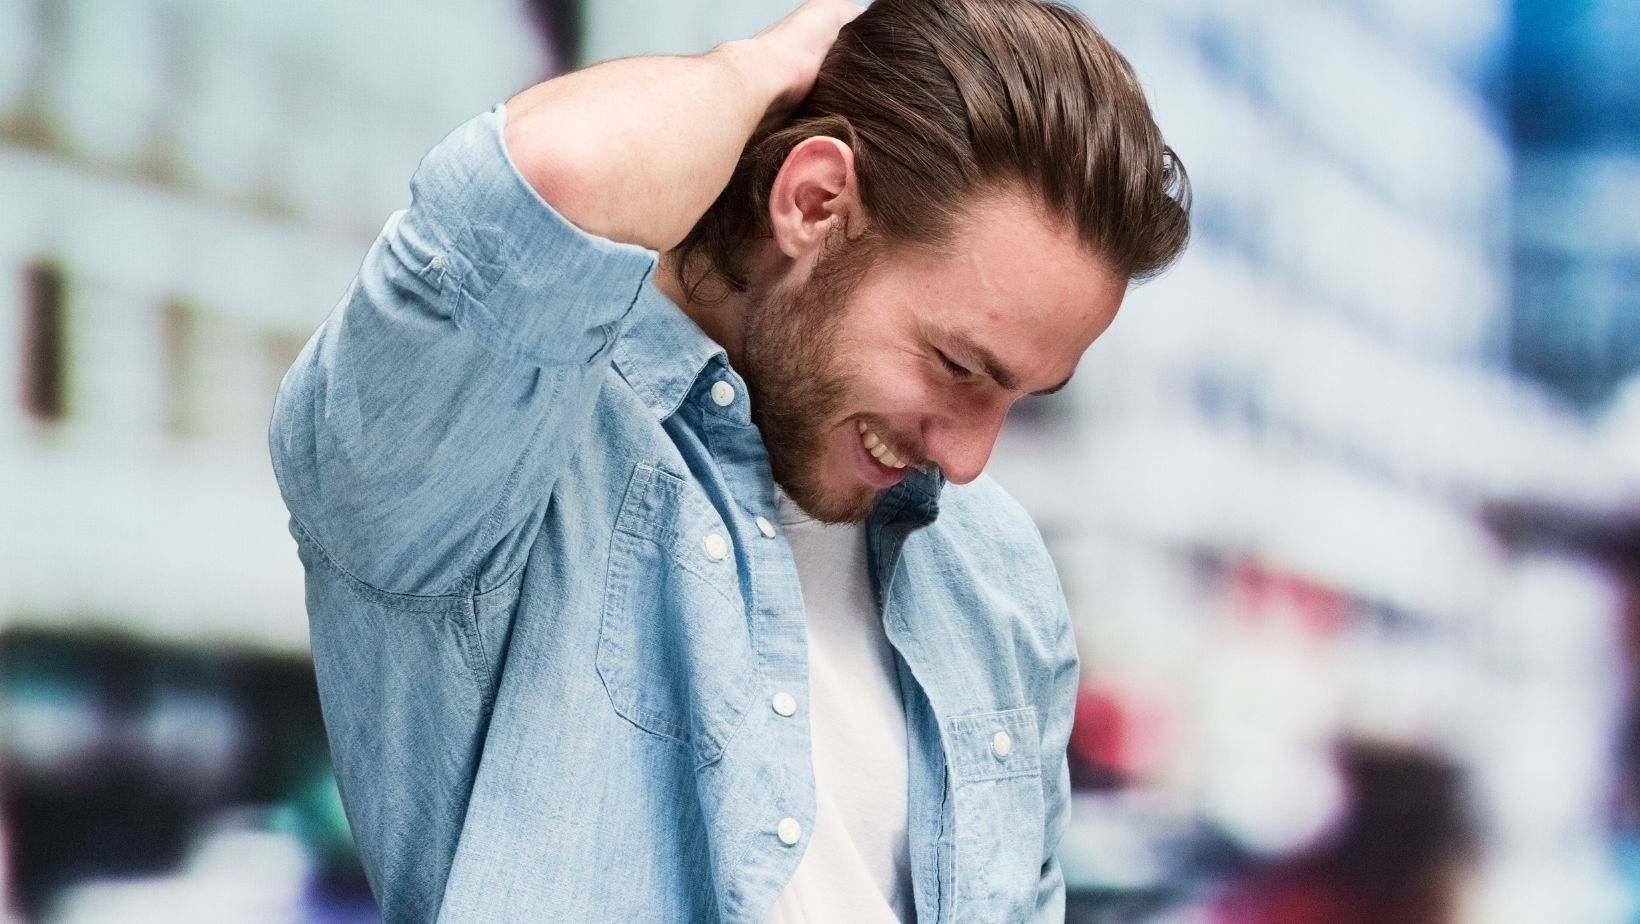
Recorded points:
771,79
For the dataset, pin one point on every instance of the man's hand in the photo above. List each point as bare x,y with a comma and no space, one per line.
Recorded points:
799,43
636,149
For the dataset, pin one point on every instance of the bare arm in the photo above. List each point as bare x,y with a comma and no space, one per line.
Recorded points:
636,149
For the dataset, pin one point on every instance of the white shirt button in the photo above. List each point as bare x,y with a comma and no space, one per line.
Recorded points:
784,704
716,547
723,393
789,830
1002,744
765,527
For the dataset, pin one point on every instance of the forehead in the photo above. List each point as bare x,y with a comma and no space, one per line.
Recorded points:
1017,281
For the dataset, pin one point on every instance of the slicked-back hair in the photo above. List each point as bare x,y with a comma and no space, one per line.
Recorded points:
945,101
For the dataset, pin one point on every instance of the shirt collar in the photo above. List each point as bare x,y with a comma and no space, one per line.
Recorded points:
921,492
662,352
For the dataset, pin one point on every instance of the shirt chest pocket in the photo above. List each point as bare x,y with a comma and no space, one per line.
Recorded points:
1000,820
674,647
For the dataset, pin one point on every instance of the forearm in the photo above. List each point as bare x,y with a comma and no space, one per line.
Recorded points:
636,149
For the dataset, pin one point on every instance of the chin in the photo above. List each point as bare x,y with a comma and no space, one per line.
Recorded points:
826,482
838,506
833,497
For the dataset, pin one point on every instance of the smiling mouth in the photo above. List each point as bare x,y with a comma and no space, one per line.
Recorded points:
878,449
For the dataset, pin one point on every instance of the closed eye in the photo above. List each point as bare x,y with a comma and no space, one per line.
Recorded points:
951,367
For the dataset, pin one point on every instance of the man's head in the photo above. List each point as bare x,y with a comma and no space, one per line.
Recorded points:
944,225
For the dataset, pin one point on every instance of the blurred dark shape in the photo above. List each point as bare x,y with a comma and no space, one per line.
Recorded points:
1612,539
42,384
1575,75
1400,855
559,22
117,753
1573,99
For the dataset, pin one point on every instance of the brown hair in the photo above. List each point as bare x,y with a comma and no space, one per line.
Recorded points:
941,100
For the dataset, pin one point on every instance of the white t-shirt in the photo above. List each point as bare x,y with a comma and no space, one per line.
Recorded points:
857,866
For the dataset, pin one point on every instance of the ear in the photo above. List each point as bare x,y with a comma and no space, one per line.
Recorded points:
813,193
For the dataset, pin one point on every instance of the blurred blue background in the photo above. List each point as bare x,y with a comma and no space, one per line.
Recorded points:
1353,532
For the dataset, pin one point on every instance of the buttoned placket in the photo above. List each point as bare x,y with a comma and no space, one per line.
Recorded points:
776,617
773,596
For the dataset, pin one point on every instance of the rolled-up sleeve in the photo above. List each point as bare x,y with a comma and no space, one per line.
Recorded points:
423,426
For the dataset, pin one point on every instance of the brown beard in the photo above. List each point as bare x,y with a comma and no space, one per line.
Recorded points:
799,381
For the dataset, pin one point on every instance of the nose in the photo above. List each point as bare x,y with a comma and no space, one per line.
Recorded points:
961,445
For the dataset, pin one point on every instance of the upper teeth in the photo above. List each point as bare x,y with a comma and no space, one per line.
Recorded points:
878,448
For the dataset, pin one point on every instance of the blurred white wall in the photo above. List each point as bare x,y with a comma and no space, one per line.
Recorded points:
204,179
1271,489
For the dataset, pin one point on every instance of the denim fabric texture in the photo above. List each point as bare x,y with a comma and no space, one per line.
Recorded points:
546,687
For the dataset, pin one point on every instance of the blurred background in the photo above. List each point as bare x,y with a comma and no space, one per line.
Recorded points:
1346,507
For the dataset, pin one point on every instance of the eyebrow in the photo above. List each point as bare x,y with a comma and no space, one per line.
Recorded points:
994,368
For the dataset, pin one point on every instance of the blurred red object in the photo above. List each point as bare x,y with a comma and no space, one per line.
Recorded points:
1265,596
1118,735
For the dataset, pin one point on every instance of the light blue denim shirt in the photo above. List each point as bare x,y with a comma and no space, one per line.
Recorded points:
547,698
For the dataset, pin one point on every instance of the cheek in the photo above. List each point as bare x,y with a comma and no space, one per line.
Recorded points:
891,380
897,393
886,376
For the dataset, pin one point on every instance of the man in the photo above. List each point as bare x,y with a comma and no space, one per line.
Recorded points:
637,479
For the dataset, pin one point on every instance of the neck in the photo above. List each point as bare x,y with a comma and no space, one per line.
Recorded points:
719,319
